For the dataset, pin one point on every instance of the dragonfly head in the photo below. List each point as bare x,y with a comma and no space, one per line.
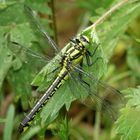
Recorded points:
84,40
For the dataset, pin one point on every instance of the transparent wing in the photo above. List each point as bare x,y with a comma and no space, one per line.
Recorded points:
49,67
101,84
89,90
16,48
28,55
37,28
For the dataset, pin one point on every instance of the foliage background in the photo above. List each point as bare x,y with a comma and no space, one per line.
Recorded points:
119,37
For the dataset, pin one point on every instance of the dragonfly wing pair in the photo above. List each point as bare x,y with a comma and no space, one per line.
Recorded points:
94,93
38,29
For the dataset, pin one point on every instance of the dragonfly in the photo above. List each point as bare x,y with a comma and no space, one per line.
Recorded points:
73,64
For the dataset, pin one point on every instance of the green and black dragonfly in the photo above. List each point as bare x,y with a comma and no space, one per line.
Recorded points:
73,65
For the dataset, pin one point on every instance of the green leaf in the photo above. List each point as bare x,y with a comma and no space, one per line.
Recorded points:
2,120
31,133
133,95
9,123
91,6
10,10
5,57
137,40
40,7
14,62
128,124
14,56
111,30
133,60
22,34
62,129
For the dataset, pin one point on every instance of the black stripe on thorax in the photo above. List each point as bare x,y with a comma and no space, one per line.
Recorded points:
81,50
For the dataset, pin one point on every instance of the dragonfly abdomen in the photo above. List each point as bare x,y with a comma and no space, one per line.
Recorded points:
62,76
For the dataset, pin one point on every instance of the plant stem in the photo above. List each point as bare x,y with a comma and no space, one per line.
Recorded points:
96,134
51,4
107,14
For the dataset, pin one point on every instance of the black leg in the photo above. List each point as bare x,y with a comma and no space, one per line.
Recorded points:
89,61
89,54
80,75
94,51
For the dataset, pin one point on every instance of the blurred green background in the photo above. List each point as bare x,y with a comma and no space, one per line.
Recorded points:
119,36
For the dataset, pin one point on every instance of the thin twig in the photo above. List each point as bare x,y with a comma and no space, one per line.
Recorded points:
51,4
107,14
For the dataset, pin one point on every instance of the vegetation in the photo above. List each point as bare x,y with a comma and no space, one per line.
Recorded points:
63,117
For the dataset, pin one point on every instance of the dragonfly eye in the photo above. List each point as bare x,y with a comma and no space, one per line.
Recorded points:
84,40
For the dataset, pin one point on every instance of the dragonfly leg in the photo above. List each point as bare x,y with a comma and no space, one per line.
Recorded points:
94,51
89,54
80,75
89,61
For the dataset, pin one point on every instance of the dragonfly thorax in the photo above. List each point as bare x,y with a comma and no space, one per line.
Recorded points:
76,52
